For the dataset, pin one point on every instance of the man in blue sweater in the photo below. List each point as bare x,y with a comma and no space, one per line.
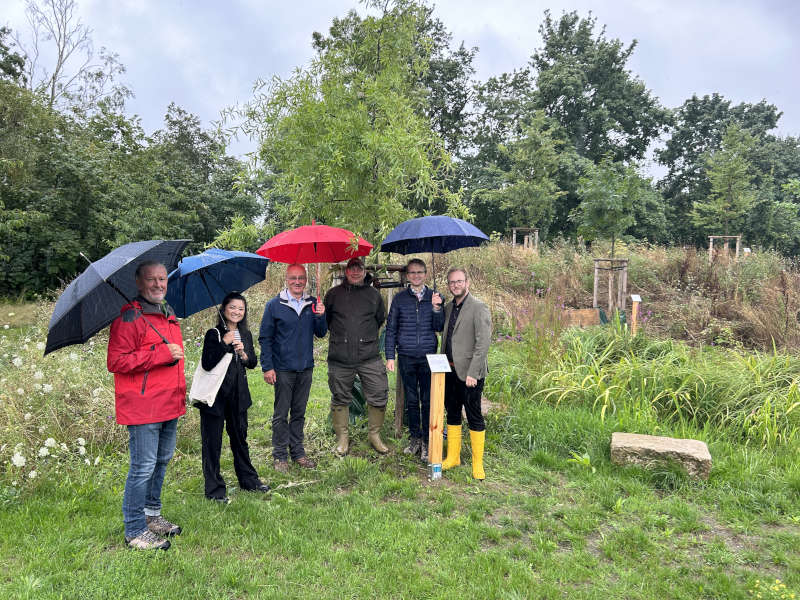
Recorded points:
414,318
291,320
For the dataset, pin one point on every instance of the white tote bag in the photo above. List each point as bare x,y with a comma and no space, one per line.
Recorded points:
206,384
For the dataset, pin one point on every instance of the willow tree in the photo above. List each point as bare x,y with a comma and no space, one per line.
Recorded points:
343,140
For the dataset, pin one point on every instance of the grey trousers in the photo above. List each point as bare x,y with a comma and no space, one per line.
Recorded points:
289,415
374,383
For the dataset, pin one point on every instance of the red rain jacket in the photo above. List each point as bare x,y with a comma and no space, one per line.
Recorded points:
149,384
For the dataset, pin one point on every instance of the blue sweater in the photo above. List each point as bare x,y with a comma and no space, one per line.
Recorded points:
412,325
286,338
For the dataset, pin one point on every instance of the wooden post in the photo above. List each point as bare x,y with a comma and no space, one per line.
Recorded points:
738,242
610,288
634,315
436,426
596,283
710,249
624,292
513,236
536,241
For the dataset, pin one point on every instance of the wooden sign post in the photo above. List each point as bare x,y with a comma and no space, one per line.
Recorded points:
636,298
439,366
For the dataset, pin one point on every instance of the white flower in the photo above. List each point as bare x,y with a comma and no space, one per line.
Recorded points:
32,475
24,346
5,326
50,443
91,342
17,362
10,314
41,429
76,369
97,461
18,447
27,416
40,345
27,339
37,386
73,356
38,375
81,441
18,460
96,392
47,388
63,446
44,452
20,391
86,460
81,450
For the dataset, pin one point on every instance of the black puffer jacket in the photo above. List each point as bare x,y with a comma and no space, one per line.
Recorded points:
355,314
234,390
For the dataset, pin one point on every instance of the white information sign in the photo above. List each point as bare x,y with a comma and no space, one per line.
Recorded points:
636,297
438,363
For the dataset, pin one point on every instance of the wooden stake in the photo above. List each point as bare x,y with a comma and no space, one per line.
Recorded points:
634,317
436,427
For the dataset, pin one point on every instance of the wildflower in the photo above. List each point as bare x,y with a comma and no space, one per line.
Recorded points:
81,441
37,387
50,443
97,461
63,446
96,392
47,388
5,326
20,391
81,450
18,460
27,416
40,345
41,429
10,314
73,356
86,460
44,452
17,362
38,375
32,475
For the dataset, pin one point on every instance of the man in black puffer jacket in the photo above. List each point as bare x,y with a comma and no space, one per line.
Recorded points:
355,313
414,318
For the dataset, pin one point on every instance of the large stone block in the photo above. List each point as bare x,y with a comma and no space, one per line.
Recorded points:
633,448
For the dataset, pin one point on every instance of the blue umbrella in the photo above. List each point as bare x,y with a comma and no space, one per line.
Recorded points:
203,280
437,233
95,297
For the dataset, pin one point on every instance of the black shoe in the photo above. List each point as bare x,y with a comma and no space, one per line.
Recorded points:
223,500
261,487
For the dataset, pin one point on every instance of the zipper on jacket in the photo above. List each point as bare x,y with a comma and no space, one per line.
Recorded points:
144,381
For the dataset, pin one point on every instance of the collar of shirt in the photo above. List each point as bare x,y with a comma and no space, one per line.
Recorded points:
295,303
421,294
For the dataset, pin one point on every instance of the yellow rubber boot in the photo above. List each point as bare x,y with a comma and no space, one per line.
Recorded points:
341,419
453,447
477,439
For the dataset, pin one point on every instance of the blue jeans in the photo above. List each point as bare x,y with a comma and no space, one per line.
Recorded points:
416,376
151,447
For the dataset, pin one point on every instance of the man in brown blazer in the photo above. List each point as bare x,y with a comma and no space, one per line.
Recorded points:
467,333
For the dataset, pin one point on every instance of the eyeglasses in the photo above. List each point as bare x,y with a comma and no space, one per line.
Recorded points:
457,282
297,278
415,272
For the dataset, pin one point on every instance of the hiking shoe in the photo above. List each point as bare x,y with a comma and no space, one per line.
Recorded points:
414,445
281,466
160,526
147,540
423,451
223,500
305,462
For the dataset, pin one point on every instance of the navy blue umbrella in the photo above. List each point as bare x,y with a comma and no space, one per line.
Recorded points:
436,233
95,297
203,280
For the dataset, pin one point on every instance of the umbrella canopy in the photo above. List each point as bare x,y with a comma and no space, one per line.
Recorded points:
95,297
314,244
432,234
203,280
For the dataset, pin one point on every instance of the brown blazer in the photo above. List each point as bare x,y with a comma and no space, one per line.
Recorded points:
471,336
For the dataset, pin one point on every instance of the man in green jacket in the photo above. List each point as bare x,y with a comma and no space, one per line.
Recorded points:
467,333
355,313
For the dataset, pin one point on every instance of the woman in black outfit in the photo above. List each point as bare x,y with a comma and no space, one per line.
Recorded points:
232,402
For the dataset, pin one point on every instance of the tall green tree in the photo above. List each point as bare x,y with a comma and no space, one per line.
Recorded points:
731,175
583,82
343,139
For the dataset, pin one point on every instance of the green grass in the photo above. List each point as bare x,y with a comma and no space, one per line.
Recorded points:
554,519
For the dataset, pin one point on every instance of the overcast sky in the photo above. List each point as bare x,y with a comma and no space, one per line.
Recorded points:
205,54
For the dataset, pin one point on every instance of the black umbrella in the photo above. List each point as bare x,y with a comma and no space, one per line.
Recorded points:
95,297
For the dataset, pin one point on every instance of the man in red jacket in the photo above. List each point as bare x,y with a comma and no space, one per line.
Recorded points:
145,353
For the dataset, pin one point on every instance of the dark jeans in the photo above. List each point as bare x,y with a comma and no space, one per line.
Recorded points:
456,395
291,397
151,447
416,376
211,437
374,383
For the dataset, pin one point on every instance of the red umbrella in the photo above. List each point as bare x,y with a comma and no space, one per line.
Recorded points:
314,244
